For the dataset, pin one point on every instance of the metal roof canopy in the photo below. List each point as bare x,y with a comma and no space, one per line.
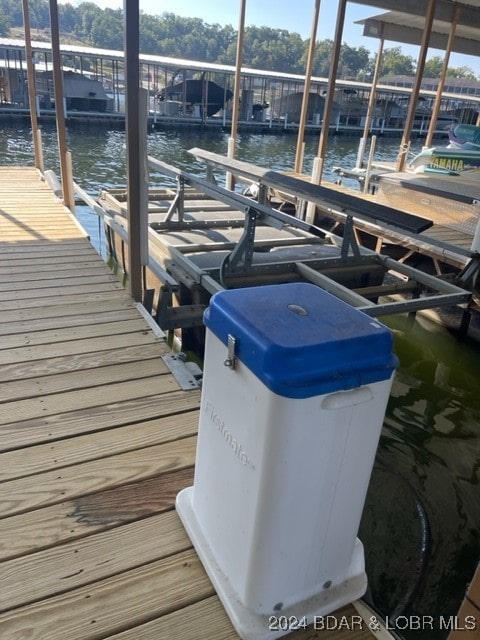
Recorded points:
406,25
177,63
161,61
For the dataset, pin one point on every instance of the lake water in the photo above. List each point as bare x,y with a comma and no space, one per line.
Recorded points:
421,524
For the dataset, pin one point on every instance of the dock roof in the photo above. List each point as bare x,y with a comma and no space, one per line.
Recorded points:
195,65
405,23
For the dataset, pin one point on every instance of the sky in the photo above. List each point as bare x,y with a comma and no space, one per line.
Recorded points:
294,16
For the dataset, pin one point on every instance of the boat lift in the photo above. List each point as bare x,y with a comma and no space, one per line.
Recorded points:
204,239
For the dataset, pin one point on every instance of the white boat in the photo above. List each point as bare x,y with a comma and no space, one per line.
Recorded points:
465,136
447,160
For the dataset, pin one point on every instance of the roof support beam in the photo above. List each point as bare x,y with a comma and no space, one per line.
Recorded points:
402,156
441,84
65,158
36,134
135,161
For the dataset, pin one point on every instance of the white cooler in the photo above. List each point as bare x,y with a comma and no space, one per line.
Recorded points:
295,388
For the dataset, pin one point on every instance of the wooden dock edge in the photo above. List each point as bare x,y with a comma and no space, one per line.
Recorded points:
467,621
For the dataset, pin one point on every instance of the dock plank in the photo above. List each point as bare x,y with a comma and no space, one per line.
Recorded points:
13,325
74,347
76,332
86,515
45,249
452,236
28,409
191,623
114,604
85,420
54,234
24,494
45,273
76,307
73,260
55,292
35,287
74,564
47,385
194,622
74,296
23,371
64,453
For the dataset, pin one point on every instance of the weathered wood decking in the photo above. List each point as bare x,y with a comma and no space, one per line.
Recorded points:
96,439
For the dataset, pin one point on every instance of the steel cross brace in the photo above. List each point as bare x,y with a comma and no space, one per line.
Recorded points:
177,202
240,259
349,240
469,276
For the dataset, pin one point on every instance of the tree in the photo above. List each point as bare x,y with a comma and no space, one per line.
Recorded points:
462,72
39,14
107,30
67,17
323,57
4,25
273,49
149,29
87,14
12,9
353,60
394,63
433,67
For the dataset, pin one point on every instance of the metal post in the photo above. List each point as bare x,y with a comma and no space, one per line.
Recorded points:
443,75
318,161
31,87
236,92
224,110
133,134
371,100
272,101
68,196
306,90
368,172
323,142
402,156
143,106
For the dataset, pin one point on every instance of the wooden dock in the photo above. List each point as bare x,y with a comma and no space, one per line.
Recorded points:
96,439
470,611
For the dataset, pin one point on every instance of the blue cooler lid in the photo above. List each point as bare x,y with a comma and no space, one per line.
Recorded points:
301,341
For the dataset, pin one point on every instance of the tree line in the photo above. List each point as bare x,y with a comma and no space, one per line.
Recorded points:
193,39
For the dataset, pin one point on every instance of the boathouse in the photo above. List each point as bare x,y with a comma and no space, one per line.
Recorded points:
270,101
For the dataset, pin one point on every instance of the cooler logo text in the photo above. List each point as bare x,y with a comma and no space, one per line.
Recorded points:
226,434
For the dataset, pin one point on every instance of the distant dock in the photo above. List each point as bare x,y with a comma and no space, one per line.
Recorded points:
277,95
158,122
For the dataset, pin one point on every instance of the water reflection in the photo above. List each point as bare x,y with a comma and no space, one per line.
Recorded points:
422,515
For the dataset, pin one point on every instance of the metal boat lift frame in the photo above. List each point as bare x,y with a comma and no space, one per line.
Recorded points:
239,260
427,291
